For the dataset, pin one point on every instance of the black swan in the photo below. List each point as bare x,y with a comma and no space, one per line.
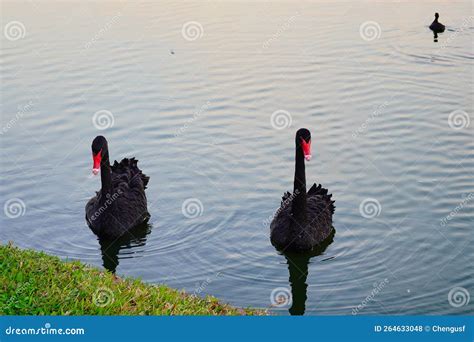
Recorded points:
304,219
436,26
120,204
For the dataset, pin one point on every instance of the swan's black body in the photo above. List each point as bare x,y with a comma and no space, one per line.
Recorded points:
121,203
304,219
436,26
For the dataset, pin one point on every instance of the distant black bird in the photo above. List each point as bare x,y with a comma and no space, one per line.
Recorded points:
436,26
121,203
304,219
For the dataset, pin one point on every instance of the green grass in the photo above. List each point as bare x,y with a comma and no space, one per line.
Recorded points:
33,283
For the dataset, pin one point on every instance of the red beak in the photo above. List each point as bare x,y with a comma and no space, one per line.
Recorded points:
306,146
97,159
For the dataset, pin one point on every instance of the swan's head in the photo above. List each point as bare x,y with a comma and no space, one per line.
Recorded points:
99,148
303,141
436,15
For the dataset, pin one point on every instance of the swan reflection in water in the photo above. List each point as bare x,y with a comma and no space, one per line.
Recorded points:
298,269
110,249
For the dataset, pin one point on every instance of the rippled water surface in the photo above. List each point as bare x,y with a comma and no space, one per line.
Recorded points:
390,112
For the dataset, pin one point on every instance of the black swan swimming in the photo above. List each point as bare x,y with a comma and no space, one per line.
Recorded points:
120,204
304,219
436,26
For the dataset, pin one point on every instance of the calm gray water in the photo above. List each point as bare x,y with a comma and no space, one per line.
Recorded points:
390,112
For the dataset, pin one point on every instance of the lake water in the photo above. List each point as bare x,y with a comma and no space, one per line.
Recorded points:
190,90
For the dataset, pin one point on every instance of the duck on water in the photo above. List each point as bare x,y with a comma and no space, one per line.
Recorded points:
436,26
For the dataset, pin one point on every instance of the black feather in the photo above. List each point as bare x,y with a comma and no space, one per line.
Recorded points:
125,206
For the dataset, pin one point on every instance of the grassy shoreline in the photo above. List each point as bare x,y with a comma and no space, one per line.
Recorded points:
34,283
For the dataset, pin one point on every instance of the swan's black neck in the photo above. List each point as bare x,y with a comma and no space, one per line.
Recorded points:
298,208
105,174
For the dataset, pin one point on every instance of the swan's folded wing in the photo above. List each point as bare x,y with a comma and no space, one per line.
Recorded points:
127,171
318,190
131,207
